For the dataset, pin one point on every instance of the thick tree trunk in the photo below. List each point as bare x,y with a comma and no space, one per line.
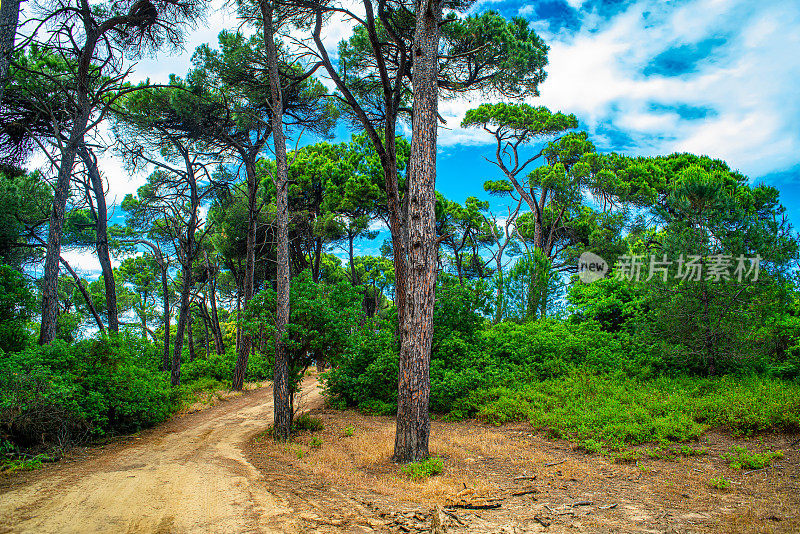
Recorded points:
69,150
9,19
281,388
101,236
244,341
413,417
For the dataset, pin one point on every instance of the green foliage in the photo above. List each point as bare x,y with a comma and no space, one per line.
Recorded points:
321,321
720,483
61,393
741,458
218,367
424,468
16,308
613,411
23,463
315,443
308,422
349,431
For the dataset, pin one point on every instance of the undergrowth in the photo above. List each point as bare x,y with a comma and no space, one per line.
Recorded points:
613,412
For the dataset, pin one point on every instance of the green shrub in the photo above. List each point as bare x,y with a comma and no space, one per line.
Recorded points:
16,307
315,443
741,458
720,483
308,423
349,431
620,411
60,393
423,469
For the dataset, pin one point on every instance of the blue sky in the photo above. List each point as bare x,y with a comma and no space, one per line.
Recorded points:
644,77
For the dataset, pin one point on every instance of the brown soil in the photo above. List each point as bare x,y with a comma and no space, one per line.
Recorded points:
215,471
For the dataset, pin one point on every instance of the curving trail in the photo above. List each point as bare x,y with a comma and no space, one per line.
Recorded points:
187,475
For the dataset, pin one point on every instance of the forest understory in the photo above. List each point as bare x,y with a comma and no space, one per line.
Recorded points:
212,470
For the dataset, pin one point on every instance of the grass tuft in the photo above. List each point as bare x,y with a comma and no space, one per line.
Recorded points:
423,469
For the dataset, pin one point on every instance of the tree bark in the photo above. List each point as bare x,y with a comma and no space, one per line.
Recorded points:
9,19
243,345
188,281
413,417
69,150
212,297
56,225
190,333
101,236
249,276
281,388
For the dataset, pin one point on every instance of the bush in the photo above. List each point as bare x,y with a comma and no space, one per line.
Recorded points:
741,458
720,483
308,422
423,469
16,304
59,393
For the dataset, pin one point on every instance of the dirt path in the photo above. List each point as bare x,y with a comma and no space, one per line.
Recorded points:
188,475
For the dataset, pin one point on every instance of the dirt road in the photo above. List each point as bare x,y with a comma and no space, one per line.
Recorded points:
188,475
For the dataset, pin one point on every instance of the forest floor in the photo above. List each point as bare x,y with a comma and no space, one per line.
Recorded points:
215,471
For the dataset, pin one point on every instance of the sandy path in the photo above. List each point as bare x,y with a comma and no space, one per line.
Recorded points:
188,475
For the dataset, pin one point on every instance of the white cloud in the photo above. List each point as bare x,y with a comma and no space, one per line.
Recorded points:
750,85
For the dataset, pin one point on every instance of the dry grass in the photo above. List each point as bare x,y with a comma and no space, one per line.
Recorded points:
650,493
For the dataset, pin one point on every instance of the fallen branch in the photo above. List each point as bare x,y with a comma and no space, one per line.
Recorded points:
468,506
583,503
551,464
525,477
544,522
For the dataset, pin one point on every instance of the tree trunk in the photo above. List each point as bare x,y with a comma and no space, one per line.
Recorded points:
9,19
244,341
190,333
53,255
215,326
188,282
413,417
351,256
280,386
180,330
317,258
165,296
498,314
101,236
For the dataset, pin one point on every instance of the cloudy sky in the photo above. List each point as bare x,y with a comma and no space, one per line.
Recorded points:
715,77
